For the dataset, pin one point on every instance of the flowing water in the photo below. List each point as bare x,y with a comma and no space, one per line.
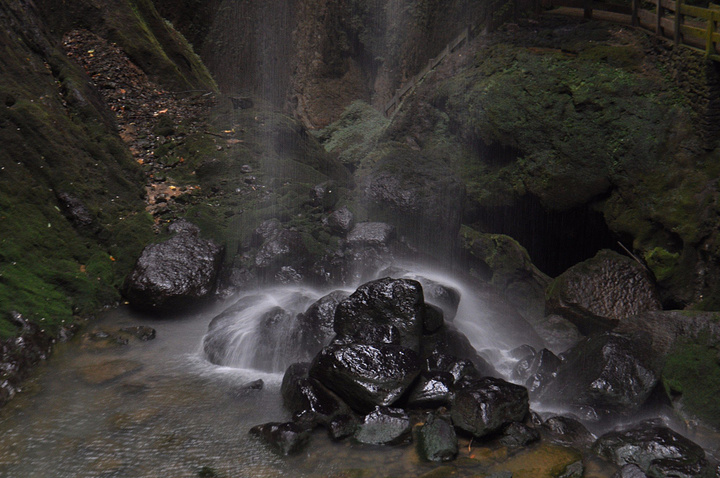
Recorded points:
160,408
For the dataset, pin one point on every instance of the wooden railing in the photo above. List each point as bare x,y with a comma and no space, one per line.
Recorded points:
456,43
688,25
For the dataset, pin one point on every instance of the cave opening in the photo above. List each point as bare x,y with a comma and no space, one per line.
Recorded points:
554,239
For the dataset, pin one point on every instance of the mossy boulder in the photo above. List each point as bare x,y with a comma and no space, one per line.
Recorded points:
505,263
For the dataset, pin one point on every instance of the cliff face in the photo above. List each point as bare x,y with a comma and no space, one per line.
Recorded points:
314,57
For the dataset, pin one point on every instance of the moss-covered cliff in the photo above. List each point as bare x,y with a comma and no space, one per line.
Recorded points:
573,136
72,198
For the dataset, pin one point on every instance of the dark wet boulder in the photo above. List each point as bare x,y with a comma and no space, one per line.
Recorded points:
265,231
460,369
567,431
371,234
445,297
308,397
606,375
315,325
395,302
537,370
369,334
432,389
434,319
436,439
365,376
630,471
599,292
384,426
656,449
484,406
517,435
448,341
169,276
342,426
285,438
340,221
439,294
283,247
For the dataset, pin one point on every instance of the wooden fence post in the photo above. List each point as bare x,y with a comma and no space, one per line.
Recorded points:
658,17
635,8
678,22
587,9
709,45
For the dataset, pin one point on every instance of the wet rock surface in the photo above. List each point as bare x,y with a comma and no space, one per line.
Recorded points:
657,450
285,438
518,434
436,439
366,375
432,389
315,325
568,431
395,302
447,346
603,376
601,291
18,355
340,221
309,398
536,370
484,406
170,275
384,426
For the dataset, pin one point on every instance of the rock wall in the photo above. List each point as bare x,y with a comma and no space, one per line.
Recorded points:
315,57
699,77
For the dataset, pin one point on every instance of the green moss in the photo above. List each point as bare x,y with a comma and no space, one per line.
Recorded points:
57,139
692,375
355,134
661,262
155,46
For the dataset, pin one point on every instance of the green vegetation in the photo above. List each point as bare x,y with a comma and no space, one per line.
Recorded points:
155,46
355,134
692,375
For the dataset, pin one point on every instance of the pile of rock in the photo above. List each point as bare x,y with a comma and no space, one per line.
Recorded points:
397,372
391,365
